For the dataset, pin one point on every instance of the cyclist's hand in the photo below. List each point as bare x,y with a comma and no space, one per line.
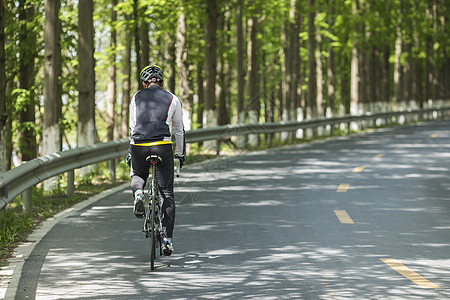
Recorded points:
181,159
128,159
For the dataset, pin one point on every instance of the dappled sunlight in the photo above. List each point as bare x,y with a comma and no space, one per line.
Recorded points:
248,227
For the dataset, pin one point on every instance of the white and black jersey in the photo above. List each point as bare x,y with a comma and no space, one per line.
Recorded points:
151,112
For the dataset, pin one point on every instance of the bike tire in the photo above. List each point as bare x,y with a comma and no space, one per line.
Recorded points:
152,236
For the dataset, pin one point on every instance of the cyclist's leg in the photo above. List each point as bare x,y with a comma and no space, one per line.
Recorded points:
140,167
164,175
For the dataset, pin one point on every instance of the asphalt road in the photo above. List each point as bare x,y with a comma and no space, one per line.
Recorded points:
358,217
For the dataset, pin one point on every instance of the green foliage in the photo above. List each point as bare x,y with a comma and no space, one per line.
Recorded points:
374,25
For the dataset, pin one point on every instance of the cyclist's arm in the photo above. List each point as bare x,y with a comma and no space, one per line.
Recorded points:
178,127
132,114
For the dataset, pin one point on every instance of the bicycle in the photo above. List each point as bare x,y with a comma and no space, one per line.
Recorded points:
153,213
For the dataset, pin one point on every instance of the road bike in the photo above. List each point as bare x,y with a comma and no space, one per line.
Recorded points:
153,213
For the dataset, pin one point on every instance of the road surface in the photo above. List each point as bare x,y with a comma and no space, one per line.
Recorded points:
357,217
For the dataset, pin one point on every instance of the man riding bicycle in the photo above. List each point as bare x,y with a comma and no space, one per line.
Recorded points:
151,112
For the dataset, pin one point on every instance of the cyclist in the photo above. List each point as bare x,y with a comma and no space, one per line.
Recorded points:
151,112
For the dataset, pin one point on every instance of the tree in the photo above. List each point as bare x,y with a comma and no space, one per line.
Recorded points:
27,48
240,71
112,86
52,107
126,84
254,93
182,64
2,90
212,11
86,76
355,77
312,103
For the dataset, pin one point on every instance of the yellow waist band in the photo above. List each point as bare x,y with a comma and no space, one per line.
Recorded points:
154,143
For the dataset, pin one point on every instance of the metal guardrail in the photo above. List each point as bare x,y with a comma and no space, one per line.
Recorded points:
20,179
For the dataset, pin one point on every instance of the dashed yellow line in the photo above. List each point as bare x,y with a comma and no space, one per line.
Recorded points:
343,188
343,217
358,169
379,155
408,273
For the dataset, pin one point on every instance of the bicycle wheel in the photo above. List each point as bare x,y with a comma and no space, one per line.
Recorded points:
152,235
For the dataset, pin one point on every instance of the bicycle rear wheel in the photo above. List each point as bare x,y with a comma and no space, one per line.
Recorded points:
152,234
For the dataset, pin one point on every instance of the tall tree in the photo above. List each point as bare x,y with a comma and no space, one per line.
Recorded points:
126,82
293,67
137,46
27,37
331,96
3,115
254,86
182,63
240,71
312,103
112,86
355,76
52,66
212,12
86,76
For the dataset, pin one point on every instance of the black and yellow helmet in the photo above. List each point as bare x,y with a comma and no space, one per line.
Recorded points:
152,73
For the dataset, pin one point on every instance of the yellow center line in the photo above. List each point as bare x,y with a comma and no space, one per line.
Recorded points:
379,155
343,188
408,273
358,169
343,217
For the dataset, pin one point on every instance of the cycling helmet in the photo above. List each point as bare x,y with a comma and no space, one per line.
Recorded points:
152,73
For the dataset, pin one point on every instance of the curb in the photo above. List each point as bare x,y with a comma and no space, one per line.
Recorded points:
13,272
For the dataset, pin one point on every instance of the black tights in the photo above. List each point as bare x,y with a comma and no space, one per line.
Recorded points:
164,174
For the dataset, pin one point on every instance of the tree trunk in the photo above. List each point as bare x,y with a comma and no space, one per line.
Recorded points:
331,90
240,73
170,72
386,75
184,91
294,64
27,36
200,94
52,66
86,77
397,66
429,62
312,104
354,72
253,75
145,44
137,47
212,12
319,74
3,116
126,84
112,87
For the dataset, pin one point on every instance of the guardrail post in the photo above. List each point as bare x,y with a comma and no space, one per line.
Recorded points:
27,200
217,147
70,182
112,169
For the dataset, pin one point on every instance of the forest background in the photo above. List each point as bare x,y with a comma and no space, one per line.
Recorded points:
68,68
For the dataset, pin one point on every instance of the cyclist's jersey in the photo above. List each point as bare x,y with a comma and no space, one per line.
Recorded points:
151,111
